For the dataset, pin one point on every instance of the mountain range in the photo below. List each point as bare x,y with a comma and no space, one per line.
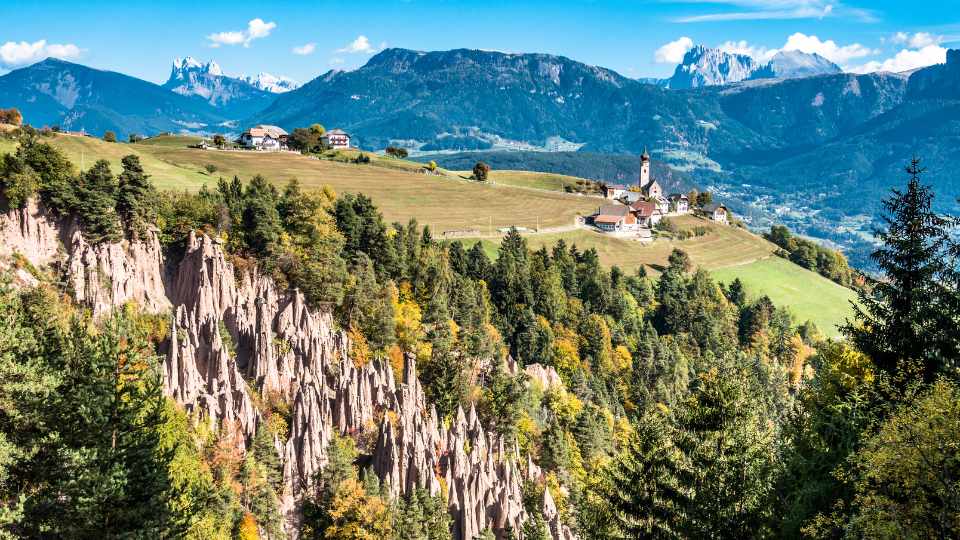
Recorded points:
234,97
790,140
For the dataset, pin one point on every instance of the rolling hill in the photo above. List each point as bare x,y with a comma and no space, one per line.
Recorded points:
451,203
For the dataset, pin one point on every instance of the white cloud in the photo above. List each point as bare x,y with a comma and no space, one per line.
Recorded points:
305,49
14,54
672,53
906,60
256,29
828,49
361,45
764,10
742,47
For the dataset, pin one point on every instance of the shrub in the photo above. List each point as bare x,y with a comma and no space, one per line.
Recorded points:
110,136
11,116
210,168
481,171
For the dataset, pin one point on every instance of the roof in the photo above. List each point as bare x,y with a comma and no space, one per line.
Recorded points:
713,207
644,209
265,129
338,131
678,196
617,186
645,155
610,213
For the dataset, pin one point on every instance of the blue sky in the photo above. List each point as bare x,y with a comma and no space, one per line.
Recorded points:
304,39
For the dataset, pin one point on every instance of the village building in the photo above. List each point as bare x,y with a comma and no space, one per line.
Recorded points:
615,191
679,203
264,137
716,212
337,139
663,204
647,213
649,187
615,218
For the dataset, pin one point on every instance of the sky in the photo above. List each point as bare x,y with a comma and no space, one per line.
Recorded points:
301,40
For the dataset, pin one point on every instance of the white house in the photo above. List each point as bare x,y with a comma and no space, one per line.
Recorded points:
337,139
614,191
717,212
264,137
679,203
663,204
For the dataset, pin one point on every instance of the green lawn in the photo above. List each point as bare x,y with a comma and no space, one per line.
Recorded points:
530,179
808,295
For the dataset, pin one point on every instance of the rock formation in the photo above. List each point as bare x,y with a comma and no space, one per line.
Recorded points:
101,276
235,338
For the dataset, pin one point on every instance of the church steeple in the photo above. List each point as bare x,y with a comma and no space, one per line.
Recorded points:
644,168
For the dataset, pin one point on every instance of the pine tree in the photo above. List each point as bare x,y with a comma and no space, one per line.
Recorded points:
135,197
910,316
97,204
646,496
260,219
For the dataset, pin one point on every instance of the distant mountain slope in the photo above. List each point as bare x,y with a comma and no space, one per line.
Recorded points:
702,66
234,97
797,64
270,83
75,97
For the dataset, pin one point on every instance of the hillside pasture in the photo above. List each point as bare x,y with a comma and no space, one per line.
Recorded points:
445,203
808,295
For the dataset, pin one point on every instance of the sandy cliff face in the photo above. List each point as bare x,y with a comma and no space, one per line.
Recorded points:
101,276
228,329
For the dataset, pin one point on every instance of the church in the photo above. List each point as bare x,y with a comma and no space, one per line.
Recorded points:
649,187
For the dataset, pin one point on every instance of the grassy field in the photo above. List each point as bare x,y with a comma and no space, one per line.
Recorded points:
722,246
528,179
728,253
443,202
808,295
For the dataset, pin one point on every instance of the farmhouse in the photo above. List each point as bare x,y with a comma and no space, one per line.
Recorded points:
336,138
264,137
615,218
615,191
647,213
716,212
679,203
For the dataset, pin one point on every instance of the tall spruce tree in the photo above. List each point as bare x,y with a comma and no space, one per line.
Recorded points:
135,197
98,203
910,317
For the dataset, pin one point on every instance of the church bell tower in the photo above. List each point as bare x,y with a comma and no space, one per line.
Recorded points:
644,168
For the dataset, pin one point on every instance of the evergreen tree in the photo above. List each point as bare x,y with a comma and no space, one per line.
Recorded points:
646,493
136,202
97,204
260,219
910,316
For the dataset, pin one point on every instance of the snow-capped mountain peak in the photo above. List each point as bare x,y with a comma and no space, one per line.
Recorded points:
271,83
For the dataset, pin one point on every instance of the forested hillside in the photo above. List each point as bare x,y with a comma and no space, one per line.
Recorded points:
306,369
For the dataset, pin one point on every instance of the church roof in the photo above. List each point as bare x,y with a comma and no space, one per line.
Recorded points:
645,156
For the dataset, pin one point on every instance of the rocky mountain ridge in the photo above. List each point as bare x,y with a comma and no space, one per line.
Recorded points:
705,66
234,97
280,345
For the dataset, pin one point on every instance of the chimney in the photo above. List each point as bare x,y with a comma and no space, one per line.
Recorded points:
953,57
